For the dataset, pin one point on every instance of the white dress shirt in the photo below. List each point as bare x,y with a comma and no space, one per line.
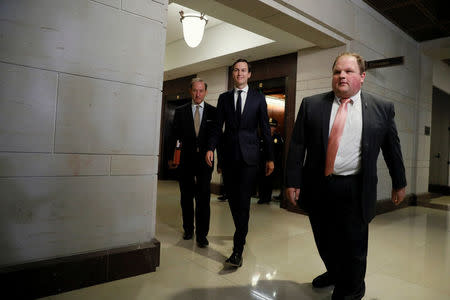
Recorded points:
348,157
200,110
243,97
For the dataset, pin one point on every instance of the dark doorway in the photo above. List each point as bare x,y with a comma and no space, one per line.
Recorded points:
440,143
175,94
168,139
275,91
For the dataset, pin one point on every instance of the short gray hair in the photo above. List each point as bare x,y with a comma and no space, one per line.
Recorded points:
198,79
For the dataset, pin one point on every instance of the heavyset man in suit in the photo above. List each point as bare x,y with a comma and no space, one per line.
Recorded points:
341,134
191,124
243,111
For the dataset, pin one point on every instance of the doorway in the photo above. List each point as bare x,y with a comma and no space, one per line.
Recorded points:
275,92
439,181
175,94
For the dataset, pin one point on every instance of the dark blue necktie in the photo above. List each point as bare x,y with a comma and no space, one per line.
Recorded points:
238,107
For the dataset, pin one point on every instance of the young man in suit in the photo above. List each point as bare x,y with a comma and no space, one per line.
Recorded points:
341,134
190,126
243,111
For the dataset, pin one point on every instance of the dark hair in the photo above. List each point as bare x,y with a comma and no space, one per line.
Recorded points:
245,61
198,79
359,60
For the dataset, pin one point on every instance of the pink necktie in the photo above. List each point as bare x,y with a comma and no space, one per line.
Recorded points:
335,136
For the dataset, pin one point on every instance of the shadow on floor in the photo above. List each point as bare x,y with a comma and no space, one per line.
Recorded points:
263,290
206,252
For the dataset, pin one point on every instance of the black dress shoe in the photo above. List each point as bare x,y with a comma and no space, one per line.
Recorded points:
222,198
187,236
263,201
323,280
235,260
202,242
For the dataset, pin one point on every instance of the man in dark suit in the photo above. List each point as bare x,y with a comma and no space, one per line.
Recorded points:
243,111
190,126
266,183
341,134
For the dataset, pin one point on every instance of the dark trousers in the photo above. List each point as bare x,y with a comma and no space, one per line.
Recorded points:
240,179
341,235
195,184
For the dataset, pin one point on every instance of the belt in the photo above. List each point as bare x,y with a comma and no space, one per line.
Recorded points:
334,176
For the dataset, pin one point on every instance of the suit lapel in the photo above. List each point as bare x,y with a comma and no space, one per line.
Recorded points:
204,118
248,102
232,109
365,124
326,113
190,117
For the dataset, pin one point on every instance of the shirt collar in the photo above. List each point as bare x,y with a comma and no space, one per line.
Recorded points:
245,90
355,98
201,104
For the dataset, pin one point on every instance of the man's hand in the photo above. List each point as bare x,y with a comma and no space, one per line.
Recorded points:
269,167
209,158
397,196
172,165
293,194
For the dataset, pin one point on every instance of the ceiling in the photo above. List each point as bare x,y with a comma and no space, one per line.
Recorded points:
426,21
423,20
174,27
257,39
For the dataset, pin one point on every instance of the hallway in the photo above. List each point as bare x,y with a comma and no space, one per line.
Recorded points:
409,257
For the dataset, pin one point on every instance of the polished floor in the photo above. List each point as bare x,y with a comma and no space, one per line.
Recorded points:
409,257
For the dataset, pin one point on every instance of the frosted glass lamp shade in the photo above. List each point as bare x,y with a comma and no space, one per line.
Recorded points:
193,28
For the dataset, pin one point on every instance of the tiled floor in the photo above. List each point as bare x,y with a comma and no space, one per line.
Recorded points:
409,257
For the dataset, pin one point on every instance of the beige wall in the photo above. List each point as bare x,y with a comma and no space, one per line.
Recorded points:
407,86
441,76
80,102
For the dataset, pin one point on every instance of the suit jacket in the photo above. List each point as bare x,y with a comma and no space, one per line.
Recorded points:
245,134
184,131
310,139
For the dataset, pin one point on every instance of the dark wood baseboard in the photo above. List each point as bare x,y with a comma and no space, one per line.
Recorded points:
425,201
54,276
386,205
382,206
440,189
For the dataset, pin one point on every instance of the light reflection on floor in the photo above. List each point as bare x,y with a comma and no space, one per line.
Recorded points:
409,257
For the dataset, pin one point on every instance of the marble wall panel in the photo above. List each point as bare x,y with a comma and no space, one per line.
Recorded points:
83,37
146,8
134,165
96,116
59,216
113,3
43,164
27,108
